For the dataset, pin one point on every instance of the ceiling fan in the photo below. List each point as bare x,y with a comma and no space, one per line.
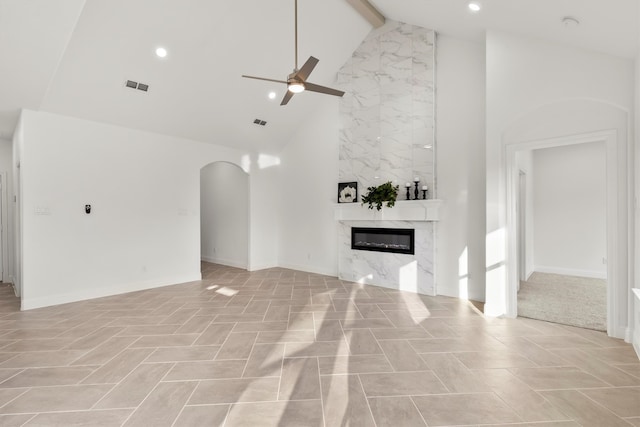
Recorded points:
297,81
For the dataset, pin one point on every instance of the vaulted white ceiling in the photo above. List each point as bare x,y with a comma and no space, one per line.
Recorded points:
74,56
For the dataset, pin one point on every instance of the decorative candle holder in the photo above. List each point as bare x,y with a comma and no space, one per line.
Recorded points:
408,185
416,192
424,194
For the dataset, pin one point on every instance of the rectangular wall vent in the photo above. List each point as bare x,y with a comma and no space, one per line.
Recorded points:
135,85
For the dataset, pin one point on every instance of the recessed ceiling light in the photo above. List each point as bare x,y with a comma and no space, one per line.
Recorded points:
161,52
474,6
428,146
272,95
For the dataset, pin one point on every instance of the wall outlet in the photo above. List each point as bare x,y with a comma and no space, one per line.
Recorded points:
604,260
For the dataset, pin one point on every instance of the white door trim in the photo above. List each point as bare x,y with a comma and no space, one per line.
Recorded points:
616,271
4,222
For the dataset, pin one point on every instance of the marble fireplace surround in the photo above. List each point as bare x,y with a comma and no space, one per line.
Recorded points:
414,273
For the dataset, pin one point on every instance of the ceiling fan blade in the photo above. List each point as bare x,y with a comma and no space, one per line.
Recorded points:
307,68
262,78
287,96
322,89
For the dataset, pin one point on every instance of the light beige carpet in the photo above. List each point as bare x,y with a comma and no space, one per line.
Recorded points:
569,300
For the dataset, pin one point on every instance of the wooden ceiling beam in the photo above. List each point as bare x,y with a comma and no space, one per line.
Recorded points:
368,12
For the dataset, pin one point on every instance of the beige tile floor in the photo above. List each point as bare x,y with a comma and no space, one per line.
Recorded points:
286,348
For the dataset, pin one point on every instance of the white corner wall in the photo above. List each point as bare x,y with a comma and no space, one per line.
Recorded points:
460,172
569,209
144,228
7,205
308,192
535,91
224,214
264,232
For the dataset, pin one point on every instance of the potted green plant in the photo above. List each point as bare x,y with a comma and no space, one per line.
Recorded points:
384,193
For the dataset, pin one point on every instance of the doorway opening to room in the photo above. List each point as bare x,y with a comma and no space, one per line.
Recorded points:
563,227
224,217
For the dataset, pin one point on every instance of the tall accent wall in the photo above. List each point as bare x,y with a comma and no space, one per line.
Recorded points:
387,134
387,113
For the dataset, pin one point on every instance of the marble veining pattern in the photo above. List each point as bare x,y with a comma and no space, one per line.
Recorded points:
389,99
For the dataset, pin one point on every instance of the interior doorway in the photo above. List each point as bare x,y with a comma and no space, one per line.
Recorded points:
224,215
615,267
566,281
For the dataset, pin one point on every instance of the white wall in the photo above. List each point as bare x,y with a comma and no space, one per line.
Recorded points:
224,214
570,210
144,230
460,115
6,170
538,90
308,192
264,233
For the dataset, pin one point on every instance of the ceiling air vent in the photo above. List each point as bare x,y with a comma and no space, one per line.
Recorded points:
260,122
135,85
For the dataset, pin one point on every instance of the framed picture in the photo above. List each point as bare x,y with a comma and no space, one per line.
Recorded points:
348,192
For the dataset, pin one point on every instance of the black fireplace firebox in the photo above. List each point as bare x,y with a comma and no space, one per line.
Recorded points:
396,240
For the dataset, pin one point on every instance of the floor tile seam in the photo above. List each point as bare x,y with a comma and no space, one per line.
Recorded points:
597,403
113,357
600,376
364,394
149,394
324,420
417,409
250,402
281,373
545,400
360,373
21,370
246,363
133,369
26,390
93,407
184,404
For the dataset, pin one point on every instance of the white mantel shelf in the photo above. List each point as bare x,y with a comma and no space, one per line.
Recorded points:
404,210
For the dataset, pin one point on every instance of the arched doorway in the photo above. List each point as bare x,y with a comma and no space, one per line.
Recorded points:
224,215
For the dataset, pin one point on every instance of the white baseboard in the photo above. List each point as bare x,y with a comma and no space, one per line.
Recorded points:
31,303
636,343
256,267
571,272
310,269
221,261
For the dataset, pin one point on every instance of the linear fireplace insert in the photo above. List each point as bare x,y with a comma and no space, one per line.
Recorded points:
396,240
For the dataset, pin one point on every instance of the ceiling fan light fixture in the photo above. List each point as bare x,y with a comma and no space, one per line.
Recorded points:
296,87
474,6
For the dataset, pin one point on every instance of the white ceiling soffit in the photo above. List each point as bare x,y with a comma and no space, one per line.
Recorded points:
197,91
608,26
33,36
